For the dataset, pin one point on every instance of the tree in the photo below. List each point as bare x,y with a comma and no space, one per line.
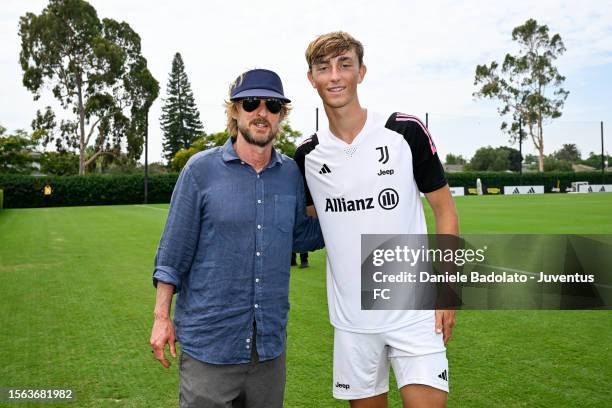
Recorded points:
529,85
454,159
594,160
500,158
551,163
96,72
489,159
214,140
286,139
569,153
59,163
158,168
515,158
206,142
180,120
119,163
531,159
16,152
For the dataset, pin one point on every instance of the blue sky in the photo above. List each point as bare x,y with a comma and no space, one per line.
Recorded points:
420,56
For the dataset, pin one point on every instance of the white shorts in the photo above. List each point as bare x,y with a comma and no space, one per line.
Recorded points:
362,360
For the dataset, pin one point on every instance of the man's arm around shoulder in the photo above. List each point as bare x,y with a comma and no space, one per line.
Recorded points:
307,235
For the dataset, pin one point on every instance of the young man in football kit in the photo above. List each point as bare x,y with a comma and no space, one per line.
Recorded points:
380,164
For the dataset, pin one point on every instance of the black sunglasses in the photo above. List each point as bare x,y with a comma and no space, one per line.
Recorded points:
273,105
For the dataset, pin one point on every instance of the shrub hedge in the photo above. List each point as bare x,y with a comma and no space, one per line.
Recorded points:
26,191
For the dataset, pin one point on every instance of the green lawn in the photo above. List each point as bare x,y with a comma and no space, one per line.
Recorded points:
77,301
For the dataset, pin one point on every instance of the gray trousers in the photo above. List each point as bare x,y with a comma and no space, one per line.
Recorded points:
251,385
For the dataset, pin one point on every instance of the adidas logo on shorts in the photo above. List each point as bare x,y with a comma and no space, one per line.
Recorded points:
443,375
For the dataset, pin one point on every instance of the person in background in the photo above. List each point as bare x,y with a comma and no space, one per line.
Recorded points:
303,259
47,193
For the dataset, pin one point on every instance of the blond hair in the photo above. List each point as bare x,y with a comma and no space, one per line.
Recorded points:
332,44
231,109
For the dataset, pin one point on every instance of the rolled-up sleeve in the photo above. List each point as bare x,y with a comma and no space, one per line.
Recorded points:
307,235
179,241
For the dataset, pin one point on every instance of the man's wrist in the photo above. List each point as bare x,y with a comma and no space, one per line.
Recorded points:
161,315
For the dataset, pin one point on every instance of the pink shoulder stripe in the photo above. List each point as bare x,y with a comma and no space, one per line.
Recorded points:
402,117
305,141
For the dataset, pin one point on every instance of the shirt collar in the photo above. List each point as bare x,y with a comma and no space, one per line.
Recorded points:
229,154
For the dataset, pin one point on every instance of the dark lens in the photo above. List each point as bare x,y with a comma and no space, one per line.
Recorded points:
274,105
250,104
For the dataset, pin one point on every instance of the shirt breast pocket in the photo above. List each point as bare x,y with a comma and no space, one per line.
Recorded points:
284,212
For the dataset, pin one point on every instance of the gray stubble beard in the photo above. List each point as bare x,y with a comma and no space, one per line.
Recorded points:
248,137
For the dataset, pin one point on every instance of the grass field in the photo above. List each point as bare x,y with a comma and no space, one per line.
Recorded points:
77,301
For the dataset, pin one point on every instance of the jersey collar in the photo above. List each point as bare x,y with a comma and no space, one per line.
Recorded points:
362,135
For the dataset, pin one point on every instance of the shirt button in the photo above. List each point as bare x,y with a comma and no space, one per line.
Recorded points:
258,201
258,176
258,226
256,280
258,253
248,347
248,340
256,305
241,162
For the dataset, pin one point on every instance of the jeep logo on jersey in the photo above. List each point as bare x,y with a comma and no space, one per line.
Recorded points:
384,154
388,199
385,172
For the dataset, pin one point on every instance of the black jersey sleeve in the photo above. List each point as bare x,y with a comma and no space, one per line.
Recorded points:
426,166
300,157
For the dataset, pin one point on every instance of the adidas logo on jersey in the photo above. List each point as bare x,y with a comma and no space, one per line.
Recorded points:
324,169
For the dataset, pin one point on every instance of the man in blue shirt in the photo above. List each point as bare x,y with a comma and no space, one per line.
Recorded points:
237,211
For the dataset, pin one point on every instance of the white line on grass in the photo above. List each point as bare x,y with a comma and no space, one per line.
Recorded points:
153,208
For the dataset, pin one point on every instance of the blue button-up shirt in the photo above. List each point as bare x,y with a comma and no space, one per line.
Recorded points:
226,248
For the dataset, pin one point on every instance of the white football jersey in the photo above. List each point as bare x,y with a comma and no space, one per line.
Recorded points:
370,186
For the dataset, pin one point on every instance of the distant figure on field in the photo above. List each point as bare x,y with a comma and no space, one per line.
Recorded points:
303,259
47,191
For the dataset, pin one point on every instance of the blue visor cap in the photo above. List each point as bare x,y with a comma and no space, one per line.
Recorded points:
260,83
